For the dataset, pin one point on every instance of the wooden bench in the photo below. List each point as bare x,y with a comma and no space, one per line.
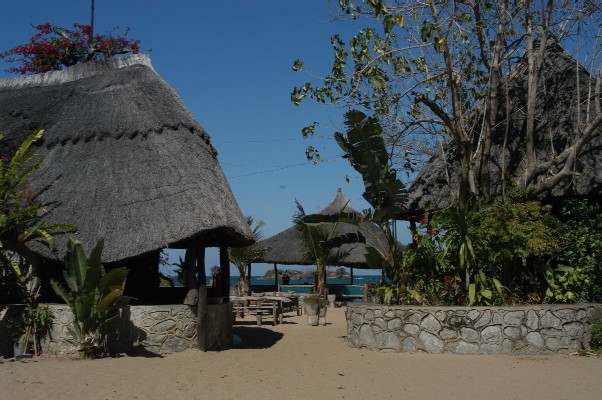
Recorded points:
261,308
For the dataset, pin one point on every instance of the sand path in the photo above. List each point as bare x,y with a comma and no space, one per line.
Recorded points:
296,361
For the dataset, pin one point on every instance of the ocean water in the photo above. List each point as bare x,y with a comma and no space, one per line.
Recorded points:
261,280
357,280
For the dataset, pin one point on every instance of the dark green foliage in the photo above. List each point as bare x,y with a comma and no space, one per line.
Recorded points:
580,240
93,296
20,218
514,252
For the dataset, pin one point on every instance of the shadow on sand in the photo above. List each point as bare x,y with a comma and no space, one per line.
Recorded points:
255,337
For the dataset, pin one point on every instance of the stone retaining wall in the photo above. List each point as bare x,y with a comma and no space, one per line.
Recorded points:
536,329
158,329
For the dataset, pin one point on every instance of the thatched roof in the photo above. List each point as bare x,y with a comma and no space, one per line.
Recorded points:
123,159
556,113
286,247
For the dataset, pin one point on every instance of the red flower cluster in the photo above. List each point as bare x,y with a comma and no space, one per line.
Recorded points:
54,47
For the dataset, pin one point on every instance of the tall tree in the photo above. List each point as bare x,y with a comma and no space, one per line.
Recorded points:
438,71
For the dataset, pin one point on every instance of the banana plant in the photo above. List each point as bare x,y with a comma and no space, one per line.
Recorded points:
364,147
93,295
479,291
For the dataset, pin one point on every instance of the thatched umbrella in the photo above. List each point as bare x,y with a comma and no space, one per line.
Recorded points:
287,246
124,160
556,117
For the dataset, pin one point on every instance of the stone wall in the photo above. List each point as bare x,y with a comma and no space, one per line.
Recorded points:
158,329
536,329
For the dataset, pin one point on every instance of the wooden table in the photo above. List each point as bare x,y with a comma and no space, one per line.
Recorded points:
260,305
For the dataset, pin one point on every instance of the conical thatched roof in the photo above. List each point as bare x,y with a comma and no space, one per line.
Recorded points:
556,117
286,247
123,159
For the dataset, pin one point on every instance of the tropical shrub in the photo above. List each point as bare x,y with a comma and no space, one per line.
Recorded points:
21,220
498,253
37,322
388,293
578,265
93,295
514,241
54,47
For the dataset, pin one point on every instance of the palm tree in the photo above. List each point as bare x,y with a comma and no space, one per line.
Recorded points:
244,256
315,239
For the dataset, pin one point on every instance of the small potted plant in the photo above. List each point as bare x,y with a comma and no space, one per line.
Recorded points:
314,304
30,328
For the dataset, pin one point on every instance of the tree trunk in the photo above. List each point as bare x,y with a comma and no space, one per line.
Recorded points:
466,178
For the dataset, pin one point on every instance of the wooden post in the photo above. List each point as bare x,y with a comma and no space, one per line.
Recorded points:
189,262
224,264
200,263
275,276
201,325
352,275
249,278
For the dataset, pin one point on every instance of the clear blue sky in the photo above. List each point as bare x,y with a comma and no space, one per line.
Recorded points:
230,62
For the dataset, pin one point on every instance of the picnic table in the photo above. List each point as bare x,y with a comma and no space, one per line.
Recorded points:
260,305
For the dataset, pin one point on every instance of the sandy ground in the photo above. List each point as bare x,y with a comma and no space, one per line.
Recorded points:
297,361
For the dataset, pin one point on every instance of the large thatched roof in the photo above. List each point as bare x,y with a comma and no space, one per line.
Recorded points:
123,159
286,247
556,113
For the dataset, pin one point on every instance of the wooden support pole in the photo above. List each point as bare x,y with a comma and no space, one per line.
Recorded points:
189,264
352,275
224,265
249,280
201,326
275,276
200,263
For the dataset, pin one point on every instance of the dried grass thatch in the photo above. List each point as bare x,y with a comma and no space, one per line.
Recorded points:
556,121
286,247
123,159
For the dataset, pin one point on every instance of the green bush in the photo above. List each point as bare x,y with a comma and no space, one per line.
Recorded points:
93,296
580,257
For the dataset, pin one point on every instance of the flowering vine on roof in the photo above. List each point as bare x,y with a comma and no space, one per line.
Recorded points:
54,47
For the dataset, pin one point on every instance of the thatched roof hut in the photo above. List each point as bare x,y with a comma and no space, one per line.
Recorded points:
123,159
286,247
556,123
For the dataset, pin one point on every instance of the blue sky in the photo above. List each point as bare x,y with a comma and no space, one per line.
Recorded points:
230,62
